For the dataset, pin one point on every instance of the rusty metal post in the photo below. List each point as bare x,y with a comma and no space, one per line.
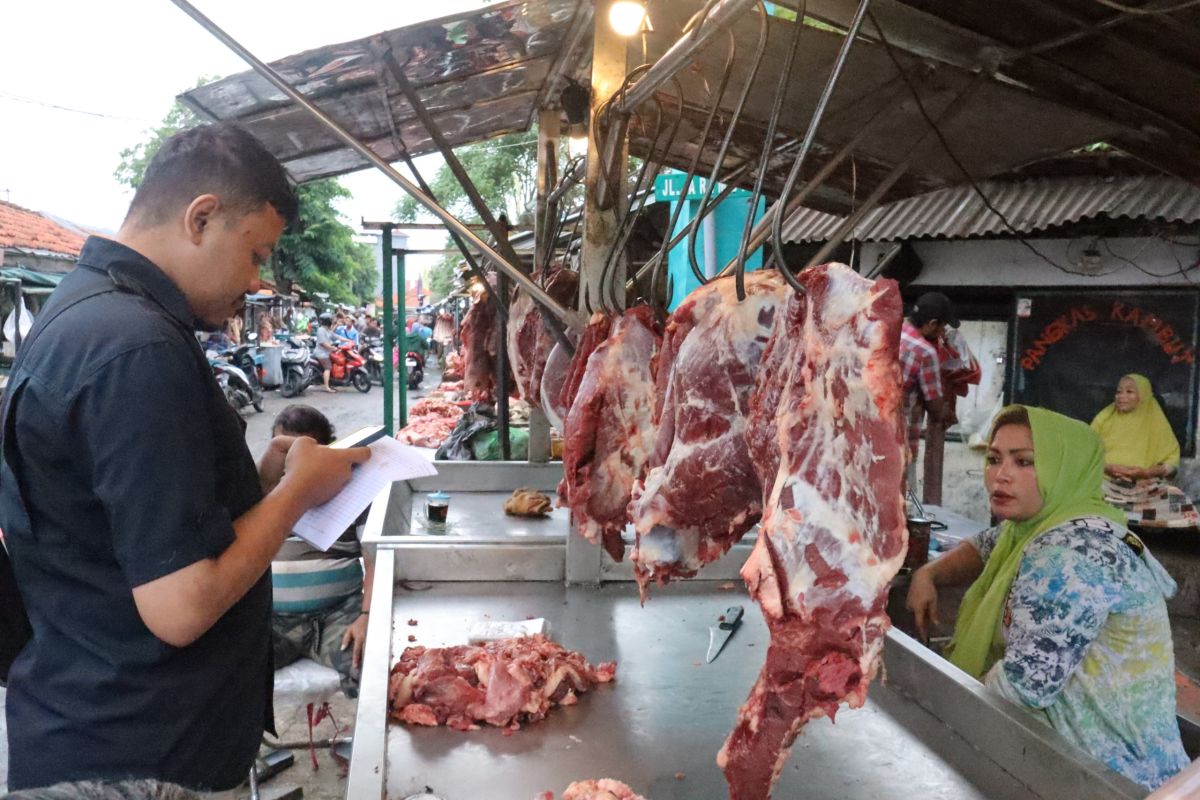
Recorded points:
935,448
600,223
549,126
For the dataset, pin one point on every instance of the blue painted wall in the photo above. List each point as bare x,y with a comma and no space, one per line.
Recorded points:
729,219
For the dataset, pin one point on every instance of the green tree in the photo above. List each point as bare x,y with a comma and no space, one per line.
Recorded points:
503,169
318,252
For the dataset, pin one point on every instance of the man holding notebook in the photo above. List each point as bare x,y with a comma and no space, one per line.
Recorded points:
135,517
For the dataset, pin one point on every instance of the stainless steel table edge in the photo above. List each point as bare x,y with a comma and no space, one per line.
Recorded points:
369,756
1021,745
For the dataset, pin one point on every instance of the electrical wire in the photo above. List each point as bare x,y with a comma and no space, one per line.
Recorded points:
937,131
768,145
1147,12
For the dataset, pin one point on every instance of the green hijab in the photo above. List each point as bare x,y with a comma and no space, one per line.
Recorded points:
1069,459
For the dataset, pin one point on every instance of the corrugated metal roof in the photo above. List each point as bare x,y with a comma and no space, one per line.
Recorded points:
1029,205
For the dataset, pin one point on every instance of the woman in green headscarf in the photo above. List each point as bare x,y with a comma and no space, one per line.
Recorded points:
1138,440
1140,453
1067,614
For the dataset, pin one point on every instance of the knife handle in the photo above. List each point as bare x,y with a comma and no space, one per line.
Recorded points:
733,615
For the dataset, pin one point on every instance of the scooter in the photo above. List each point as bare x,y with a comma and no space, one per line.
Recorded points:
247,358
371,349
416,369
347,368
239,388
295,357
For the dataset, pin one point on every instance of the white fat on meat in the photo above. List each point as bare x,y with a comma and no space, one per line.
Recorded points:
702,493
827,426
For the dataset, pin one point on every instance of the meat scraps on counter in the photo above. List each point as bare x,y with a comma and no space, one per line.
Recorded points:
504,683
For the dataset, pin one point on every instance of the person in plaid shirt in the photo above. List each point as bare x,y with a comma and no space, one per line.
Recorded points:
919,365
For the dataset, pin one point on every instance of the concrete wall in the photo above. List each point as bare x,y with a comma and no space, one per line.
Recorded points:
1092,261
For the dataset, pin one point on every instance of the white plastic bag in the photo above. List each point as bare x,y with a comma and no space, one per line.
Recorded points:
21,317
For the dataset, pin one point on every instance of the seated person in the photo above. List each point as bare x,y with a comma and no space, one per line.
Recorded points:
320,599
1140,454
1067,615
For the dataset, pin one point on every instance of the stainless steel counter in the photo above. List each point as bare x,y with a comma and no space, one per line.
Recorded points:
927,731
668,712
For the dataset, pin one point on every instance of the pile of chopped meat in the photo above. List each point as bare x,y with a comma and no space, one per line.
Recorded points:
609,430
454,367
603,789
826,431
502,683
430,421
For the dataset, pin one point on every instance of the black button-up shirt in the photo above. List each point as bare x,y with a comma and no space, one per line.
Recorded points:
122,464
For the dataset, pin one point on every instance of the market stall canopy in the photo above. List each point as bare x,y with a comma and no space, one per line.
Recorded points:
1057,75
1032,205
480,74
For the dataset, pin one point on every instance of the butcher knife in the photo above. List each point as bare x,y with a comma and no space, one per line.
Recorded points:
726,625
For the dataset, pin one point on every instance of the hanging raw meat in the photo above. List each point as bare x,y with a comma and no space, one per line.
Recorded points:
480,332
609,430
594,334
826,432
702,493
529,340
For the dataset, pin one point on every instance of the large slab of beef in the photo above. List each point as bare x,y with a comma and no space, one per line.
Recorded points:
529,340
826,432
702,492
504,683
609,430
603,789
480,337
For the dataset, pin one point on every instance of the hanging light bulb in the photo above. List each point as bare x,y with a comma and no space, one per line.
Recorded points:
626,16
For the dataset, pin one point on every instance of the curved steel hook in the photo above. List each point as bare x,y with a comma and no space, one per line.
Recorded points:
768,148
704,208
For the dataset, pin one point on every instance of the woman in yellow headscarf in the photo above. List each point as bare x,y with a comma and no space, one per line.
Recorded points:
1138,440
1067,614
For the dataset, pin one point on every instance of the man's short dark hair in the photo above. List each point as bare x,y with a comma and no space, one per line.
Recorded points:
221,159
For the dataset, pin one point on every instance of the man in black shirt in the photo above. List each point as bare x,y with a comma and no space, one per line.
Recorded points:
139,533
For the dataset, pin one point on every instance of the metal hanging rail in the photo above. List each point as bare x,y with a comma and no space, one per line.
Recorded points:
539,294
719,17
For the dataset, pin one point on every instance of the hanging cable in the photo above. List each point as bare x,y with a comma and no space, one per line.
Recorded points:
768,147
705,208
937,131
1148,12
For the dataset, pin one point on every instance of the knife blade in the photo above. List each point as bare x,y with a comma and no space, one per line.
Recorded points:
726,626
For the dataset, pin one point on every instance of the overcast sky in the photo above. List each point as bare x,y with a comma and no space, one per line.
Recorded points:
82,80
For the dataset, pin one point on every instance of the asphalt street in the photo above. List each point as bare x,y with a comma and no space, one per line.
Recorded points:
348,409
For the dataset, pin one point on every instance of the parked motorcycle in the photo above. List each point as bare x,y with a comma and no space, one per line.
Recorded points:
240,386
371,349
294,358
416,368
347,368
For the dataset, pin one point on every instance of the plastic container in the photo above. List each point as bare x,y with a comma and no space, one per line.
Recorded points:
437,506
918,542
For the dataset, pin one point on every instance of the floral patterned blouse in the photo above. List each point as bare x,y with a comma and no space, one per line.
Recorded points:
1088,646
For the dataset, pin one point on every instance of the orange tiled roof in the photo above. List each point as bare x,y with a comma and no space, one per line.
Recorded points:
20,227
